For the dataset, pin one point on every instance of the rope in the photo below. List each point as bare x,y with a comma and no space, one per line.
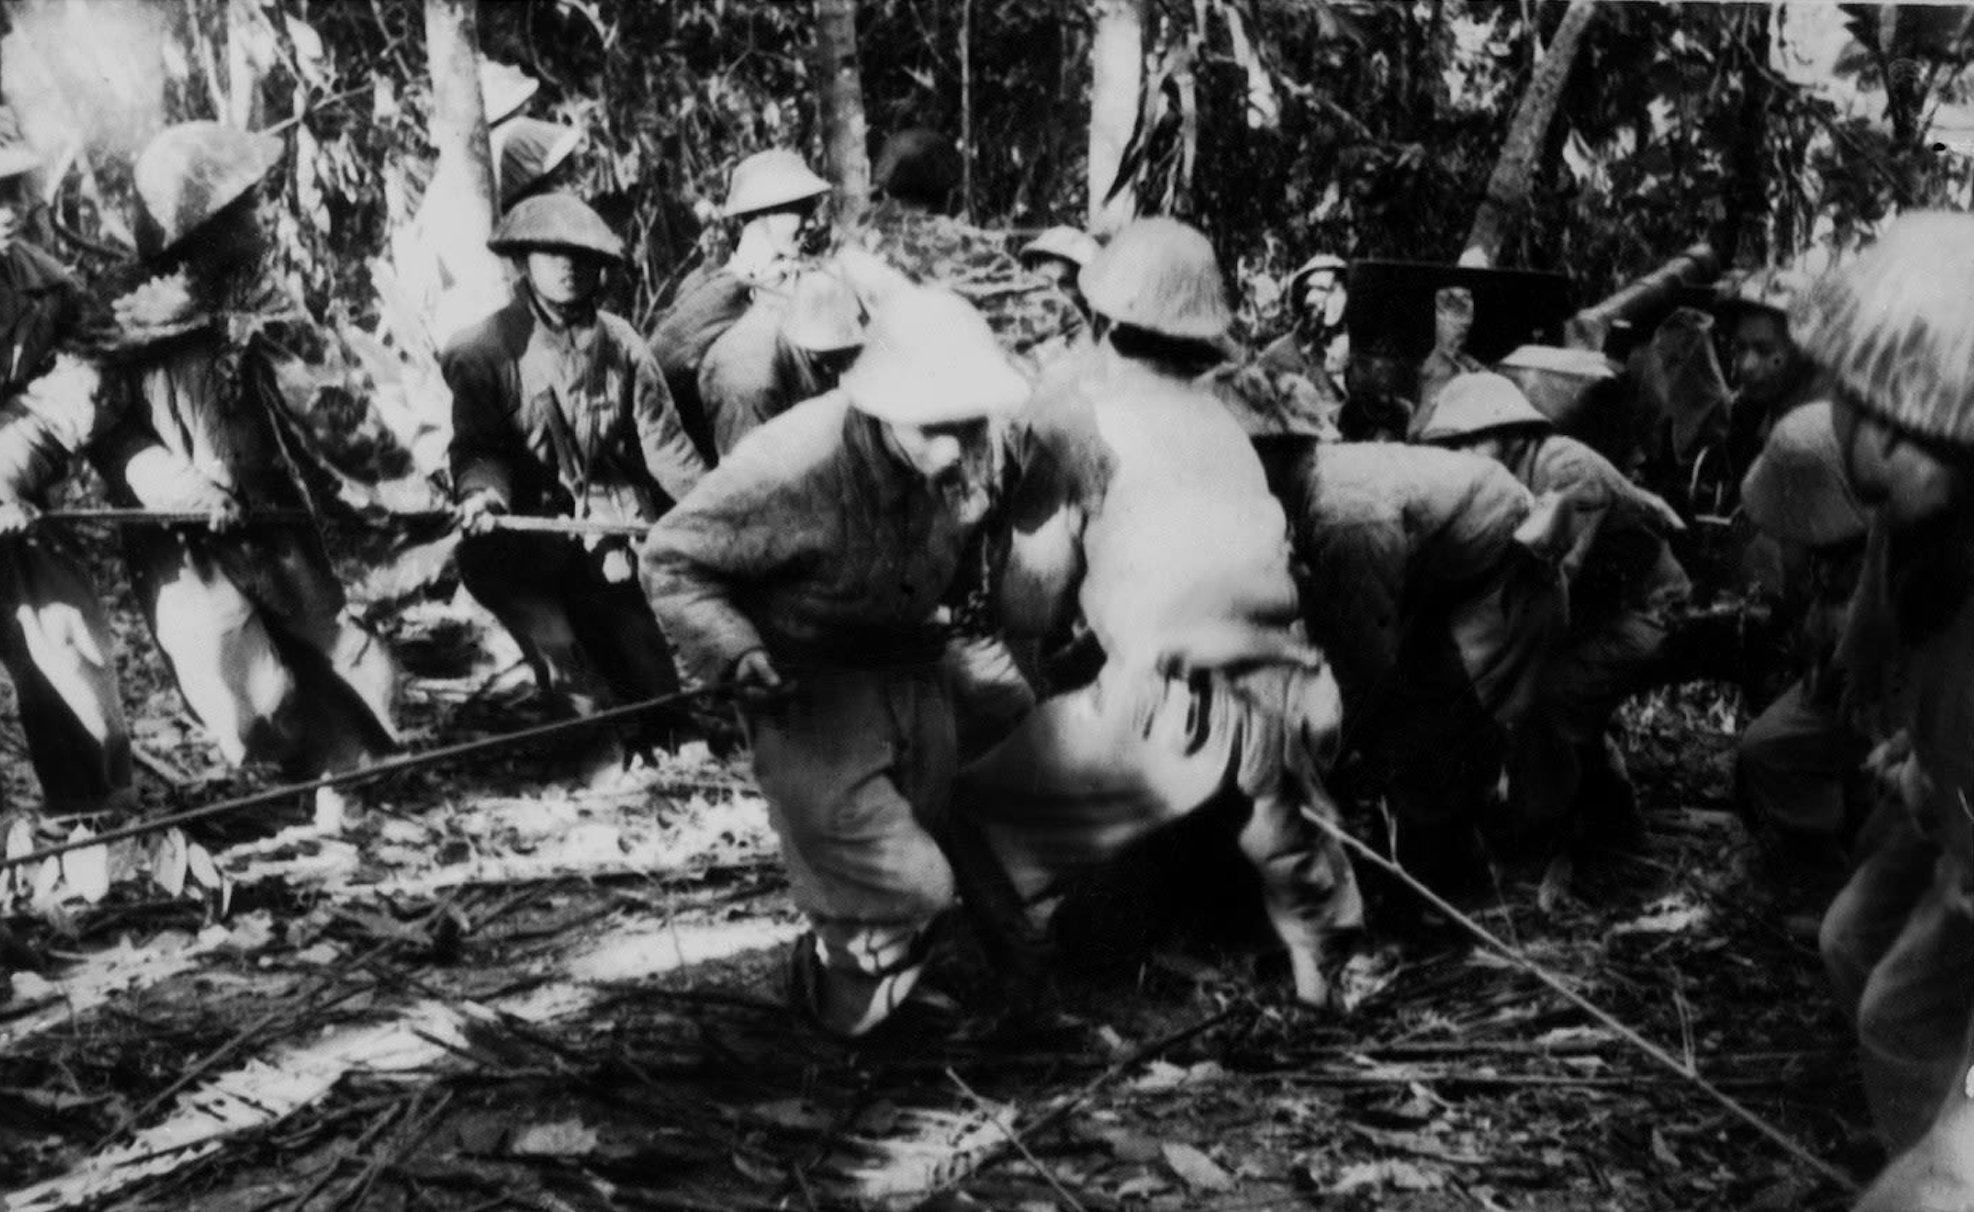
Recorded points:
1727,1102
519,523
382,769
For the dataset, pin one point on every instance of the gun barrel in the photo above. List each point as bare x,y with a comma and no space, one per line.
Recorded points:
1655,293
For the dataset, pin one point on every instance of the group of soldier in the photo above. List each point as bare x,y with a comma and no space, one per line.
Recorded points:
989,619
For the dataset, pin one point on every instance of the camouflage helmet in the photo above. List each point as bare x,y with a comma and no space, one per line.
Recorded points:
16,156
930,359
1797,489
1064,243
190,172
769,180
1160,275
526,150
1769,290
504,89
1478,403
1894,328
823,314
557,222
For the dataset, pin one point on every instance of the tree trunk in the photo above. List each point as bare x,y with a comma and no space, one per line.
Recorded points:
844,130
1513,180
462,182
1117,69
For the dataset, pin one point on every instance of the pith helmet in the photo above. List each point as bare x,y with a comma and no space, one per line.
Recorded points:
190,172
1770,290
770,179
16,156
1160,275
930,359
556,221
1895,327
1797,489
528,149
824,315
1555,378
1078,248
1477,403
1320,263
504,89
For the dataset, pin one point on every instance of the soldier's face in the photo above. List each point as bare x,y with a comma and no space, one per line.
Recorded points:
1906,480
563,278
1761,355
1318,289
941,454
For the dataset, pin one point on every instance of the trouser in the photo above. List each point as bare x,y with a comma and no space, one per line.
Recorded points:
55,643
1563,734
991,695
1091,771
288,676
857,769
591,643
1899,945
1797,765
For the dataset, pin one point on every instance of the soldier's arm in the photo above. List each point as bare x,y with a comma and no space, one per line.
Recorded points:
760,515
669,453
481,451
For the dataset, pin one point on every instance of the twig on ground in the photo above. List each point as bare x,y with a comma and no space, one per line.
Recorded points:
1044,1169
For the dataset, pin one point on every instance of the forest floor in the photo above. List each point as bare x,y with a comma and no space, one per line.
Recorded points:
511,990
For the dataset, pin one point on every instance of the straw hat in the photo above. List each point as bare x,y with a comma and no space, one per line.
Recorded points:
770,179
930,359
1477,403
556,221
1160,275
528,149
190,172
1797,489
1895,327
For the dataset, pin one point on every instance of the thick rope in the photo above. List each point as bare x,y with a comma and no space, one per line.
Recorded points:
386,767
519,523
1727,1102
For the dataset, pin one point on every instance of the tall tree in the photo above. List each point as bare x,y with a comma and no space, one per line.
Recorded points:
1512,183
462,182
845,132
1117,68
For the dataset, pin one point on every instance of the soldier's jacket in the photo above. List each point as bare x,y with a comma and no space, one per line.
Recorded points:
570,421
1182,550
812,541
39,305
707,304
1614,553
62,408
1387,532
1285,356
751,373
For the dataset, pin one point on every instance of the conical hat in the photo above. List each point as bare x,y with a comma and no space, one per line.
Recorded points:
1895,328
192,171
1476,403
528,149
1160,275
1797,489
769,179
504,89
930,359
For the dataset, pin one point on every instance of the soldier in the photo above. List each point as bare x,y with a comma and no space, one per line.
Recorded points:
786,348
1144,508
1316,301
248,612
1770,373
1453,319
1797,766
54,636
559,411
777,200
808,571
1418,585
1622,582
1892,330
1059,256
